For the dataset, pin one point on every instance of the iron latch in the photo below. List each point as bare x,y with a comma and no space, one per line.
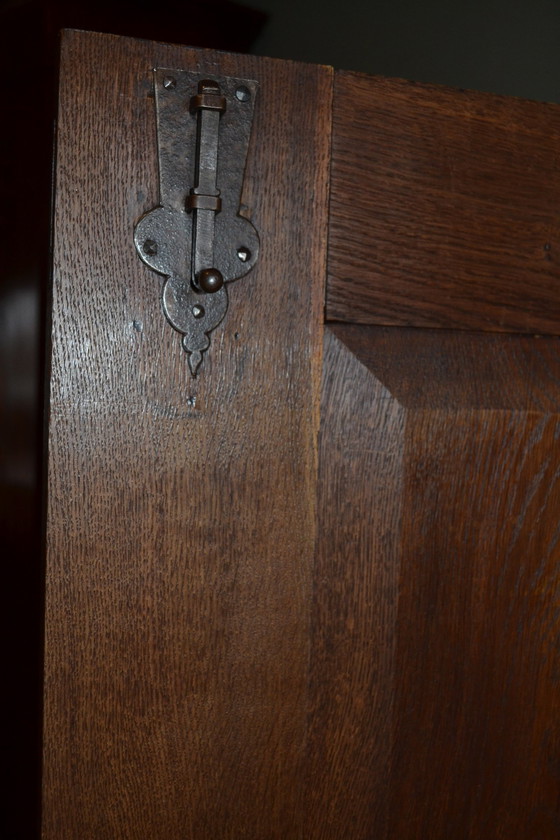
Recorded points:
196,237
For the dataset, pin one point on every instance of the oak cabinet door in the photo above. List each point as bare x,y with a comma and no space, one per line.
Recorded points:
312,591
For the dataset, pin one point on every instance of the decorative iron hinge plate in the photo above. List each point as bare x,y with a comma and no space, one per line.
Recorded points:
196,237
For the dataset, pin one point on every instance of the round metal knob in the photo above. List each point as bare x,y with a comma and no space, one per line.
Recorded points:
210,280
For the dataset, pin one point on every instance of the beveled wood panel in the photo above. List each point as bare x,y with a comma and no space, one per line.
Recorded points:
444,208
355,600
435,659
181,511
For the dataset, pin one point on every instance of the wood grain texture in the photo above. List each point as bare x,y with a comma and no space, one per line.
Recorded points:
181,512
477,744
436,628
355,600
444,208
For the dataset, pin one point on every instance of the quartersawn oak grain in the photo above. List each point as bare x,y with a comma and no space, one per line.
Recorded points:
444,208
435,656
206,679
181,512
361,446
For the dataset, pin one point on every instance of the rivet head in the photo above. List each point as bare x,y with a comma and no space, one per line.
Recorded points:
210,280
169,82
150,247
243,254
243,93
198,311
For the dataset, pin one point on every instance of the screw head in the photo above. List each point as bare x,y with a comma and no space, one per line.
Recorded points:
210,280
243,254
243,93
169,82
198,311
150,247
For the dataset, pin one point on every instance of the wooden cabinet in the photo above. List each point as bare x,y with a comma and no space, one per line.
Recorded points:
312,592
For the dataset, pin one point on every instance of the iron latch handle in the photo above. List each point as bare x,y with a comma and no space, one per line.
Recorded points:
204,199
196,237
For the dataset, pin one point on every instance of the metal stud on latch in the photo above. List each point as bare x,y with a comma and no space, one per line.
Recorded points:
196,237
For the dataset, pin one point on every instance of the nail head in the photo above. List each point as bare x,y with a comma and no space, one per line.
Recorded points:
150,247
243,93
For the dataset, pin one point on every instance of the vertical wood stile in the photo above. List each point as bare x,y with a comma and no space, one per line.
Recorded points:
181,513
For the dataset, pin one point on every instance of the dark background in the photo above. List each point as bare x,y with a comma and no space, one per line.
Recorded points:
503,47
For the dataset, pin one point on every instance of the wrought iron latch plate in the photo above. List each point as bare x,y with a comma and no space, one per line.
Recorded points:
196,237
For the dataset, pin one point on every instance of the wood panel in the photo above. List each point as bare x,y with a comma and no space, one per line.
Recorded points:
355,600
29,43
436,656
444,208
181,511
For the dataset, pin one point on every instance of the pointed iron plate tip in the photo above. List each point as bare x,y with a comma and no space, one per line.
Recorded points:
195,359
